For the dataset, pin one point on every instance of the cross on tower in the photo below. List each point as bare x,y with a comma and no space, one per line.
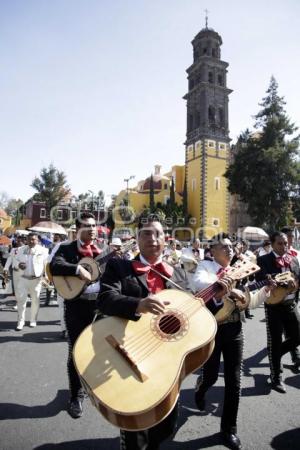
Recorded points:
206,17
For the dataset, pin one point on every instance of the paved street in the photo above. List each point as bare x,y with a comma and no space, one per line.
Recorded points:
34,395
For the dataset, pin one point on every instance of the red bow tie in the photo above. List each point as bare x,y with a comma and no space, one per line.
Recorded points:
155,282
283,261
90,250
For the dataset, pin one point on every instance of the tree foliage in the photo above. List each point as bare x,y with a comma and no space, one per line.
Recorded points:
265,171
51,186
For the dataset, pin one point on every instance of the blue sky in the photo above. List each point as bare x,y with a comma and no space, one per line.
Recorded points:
95,86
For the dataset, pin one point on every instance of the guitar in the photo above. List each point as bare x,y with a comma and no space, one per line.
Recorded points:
70,287
276,296
132,371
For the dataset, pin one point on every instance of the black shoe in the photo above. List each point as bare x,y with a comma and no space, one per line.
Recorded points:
75,408
200,401
278,386
231,440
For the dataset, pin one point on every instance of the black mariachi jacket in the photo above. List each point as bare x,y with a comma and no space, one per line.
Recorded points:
122,288
268,266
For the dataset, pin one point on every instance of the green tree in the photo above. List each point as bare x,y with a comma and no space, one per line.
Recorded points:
51,187
14,210
265,171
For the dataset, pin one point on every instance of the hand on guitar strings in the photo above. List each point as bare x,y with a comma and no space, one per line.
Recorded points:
84,274
271,284
151,304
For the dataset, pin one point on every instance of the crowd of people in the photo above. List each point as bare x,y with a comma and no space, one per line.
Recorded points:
130,276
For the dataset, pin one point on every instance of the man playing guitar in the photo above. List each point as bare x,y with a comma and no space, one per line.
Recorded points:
128,290
80,311
282,317
228,340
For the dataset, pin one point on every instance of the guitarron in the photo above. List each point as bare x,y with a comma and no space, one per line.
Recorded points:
132,371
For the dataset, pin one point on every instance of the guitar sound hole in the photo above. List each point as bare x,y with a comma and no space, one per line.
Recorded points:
169,324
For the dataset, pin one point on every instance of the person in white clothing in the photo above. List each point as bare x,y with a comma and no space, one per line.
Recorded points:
31,259
12,263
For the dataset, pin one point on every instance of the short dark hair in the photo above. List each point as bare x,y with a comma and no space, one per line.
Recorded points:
146,220
33,233
275,235
218,238
83,216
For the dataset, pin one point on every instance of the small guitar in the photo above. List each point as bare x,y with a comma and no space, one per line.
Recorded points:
70,287
276,296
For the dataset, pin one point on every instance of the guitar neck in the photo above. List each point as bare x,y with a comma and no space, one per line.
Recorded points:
103,259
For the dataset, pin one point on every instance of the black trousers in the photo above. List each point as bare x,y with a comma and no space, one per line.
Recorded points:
229,341
150,439
281,319
78,315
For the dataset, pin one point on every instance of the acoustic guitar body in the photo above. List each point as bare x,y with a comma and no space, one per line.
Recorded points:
132,371
70,287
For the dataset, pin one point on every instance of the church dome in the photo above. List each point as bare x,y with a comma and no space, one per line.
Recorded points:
3,214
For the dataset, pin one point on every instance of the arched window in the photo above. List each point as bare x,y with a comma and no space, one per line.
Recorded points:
211,115
221,117
210,77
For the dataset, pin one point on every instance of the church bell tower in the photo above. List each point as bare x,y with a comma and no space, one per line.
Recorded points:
207,136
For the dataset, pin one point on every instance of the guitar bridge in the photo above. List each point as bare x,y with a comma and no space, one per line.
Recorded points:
121,349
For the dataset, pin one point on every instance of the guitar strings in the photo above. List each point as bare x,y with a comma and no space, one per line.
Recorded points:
184,307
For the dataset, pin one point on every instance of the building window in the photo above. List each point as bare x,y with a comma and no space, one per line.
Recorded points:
211,144
73,214
222,147
211,115
217,183
220,80
59,214
165,186
210,77
221,117
166,199
42,213
193,184
215,222
197,120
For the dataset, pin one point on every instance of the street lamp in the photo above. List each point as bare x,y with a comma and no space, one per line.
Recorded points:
127,188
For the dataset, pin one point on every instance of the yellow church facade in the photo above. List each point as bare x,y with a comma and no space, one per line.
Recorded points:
207,193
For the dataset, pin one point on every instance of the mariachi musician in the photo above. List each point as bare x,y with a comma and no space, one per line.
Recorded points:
282,317
79,312
128,290
228,340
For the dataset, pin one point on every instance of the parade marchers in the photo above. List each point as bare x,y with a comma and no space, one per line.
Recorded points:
113,295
